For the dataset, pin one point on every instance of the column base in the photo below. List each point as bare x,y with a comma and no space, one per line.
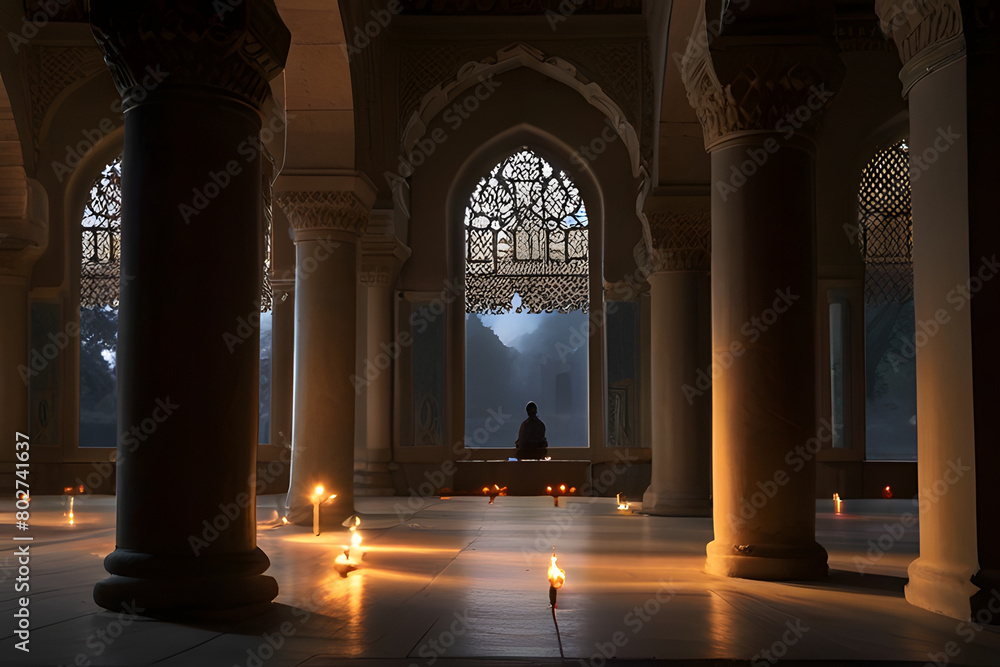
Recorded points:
664,504
767,562
941,590
227,585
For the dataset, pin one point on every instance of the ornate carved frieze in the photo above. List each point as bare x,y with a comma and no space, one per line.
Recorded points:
681,241
236,47
778,87
335,211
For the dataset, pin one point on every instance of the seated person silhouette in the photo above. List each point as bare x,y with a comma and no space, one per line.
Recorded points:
531,443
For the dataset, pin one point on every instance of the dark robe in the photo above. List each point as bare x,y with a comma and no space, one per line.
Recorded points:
531,442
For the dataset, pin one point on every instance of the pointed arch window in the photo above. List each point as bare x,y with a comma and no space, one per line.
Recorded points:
526,233
527,282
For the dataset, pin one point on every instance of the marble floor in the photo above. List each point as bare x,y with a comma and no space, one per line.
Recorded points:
457,581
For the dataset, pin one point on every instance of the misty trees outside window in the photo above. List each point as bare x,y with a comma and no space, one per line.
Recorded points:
527,298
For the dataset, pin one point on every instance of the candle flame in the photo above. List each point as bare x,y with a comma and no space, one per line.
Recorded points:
557,576
887,491
284,520
837,503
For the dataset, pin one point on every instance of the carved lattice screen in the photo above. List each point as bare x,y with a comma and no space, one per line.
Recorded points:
526,233
886,226
101,239
101,242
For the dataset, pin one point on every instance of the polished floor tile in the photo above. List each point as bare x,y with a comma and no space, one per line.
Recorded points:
460,582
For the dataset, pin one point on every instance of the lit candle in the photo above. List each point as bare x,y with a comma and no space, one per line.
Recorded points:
317,500
887,491
557,577
837,503
622,502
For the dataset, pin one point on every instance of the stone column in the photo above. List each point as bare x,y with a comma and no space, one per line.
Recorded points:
680,358
755,104
191,230
328,216
382,255
949,56
24,234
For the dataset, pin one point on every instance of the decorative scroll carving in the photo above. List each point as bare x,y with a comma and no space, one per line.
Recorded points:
885,226
681,241
919,24
100,240
757,88
336,211
526,232
237,49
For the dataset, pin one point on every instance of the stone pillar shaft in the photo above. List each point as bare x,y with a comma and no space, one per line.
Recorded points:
680,361
187,393
756,103
327,227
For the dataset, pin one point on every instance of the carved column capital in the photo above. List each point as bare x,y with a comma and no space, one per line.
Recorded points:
758,87
682,241
324,210
162,45
927,33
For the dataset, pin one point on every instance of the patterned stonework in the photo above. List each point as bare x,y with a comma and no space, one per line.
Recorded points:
759,87
919,24
237,50
336,211
681,241
51,70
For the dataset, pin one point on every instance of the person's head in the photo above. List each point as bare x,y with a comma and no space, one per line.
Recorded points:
531,408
